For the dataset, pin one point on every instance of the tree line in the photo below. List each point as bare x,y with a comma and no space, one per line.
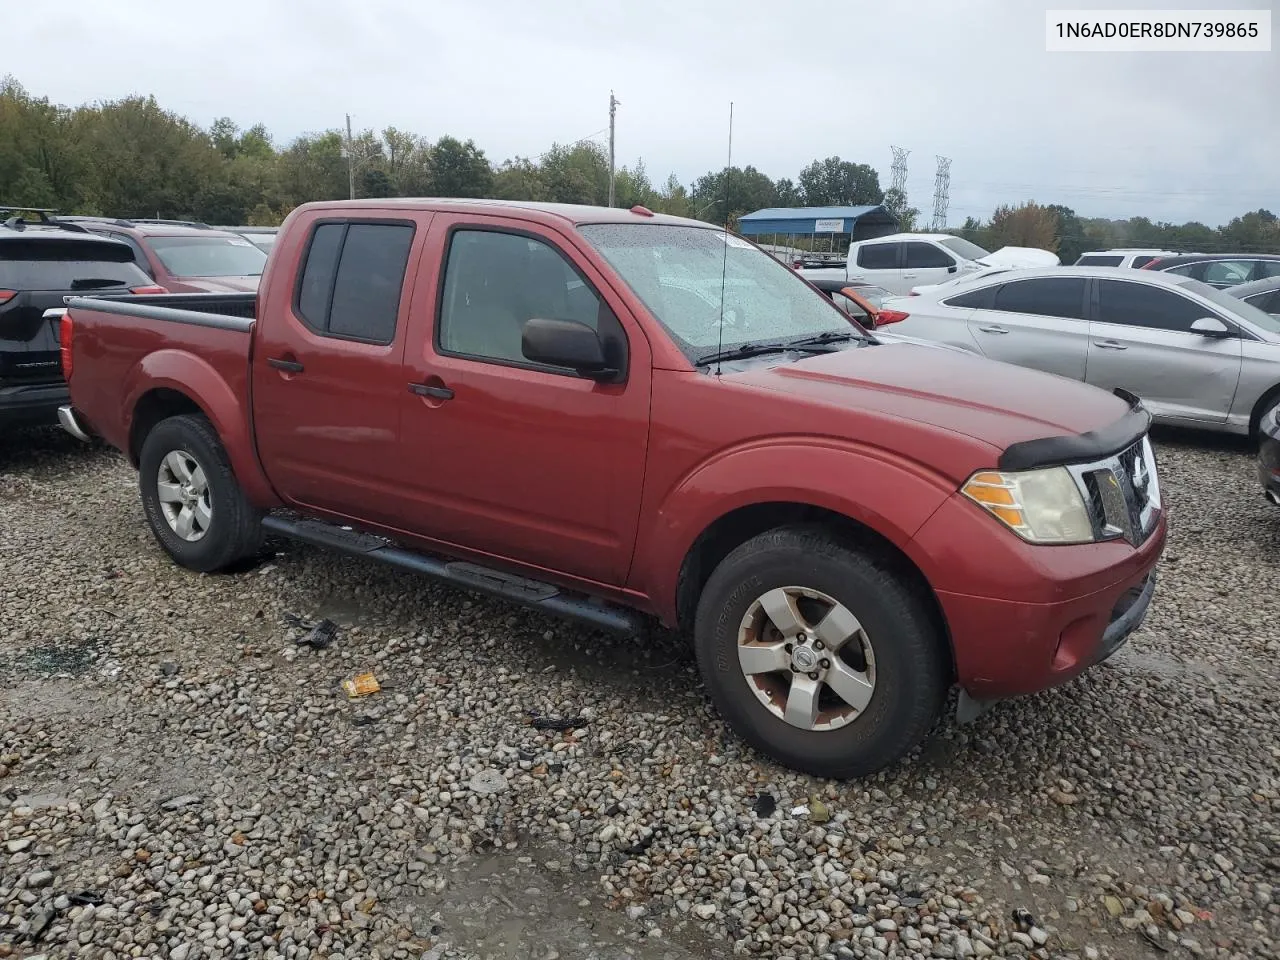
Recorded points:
132,158
1058,228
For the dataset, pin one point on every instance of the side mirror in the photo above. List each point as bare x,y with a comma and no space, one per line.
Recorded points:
952,268
1210,327
565,343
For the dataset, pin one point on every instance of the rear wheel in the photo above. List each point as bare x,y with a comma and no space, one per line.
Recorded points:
194,506
820,655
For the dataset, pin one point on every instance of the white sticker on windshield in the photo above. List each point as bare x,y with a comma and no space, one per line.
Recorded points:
239,243
733,241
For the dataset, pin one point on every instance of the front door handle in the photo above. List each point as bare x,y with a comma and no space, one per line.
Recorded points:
281,363
993,329
434,391
1110,345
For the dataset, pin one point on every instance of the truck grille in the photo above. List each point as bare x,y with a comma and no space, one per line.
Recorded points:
1122,493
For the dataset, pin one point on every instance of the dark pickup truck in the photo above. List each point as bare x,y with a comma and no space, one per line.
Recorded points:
612,415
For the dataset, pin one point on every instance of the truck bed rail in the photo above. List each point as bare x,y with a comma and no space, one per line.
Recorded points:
224,311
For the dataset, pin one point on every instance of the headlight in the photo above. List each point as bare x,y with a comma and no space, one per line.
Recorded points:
1041,506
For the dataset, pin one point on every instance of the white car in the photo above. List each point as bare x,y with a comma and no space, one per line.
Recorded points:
1133,257
1197,356
904,260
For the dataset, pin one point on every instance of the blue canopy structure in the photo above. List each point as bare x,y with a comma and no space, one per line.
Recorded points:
858,223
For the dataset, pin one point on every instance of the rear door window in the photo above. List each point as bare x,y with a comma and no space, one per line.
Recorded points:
879,256
351,283
1046,297
1227,272
1142,261
920,255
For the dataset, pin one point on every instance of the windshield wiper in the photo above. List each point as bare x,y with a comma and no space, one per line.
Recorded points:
831,336
817,344
742,352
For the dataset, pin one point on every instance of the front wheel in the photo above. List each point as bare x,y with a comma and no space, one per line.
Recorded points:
194,506
819,655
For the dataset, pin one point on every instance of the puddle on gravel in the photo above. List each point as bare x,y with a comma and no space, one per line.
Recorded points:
71,657
526,906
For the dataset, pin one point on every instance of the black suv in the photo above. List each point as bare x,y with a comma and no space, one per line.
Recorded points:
40,263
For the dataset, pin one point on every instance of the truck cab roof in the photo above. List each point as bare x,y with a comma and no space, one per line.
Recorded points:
570,213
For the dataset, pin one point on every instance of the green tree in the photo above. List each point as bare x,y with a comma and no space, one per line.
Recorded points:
895,201
459,169
1069,231
674,199
519,179
576,174
834,182
632,186
747,190
1026,225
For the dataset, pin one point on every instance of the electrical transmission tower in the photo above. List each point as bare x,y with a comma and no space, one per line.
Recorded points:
941,193
899,170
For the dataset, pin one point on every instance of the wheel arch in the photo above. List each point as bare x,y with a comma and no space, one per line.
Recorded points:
732,529
172,383
1268,398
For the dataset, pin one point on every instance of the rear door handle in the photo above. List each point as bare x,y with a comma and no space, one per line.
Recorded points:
1109,345
993,329
289,366
433,391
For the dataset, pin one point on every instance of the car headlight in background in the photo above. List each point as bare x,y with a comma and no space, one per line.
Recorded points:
1041,506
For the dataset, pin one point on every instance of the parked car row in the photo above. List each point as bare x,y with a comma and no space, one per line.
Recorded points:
1222,270
183,256
902,261
1194,354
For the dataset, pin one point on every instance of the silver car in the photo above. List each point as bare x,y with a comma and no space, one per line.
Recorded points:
1197,356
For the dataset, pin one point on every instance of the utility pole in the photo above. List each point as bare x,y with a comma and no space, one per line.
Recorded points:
351,161
613,109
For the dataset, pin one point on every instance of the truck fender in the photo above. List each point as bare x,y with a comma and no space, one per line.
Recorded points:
889,494
197,380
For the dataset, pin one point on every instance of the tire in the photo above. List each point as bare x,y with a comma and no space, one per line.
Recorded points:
224,527
908,663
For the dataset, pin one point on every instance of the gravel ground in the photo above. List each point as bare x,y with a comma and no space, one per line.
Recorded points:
181,779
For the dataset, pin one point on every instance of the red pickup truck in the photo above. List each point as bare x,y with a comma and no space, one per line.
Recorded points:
612,415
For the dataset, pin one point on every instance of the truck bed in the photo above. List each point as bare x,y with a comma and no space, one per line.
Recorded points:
141,343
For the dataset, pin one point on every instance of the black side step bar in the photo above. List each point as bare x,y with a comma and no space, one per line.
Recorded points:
531,593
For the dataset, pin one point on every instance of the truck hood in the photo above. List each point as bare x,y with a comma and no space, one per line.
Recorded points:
1020,257
956,391
221,284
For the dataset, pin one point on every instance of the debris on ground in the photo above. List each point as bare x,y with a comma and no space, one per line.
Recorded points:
361,685
561,724
317,635
765,805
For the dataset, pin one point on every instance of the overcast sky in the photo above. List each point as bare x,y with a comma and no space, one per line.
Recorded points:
1170,136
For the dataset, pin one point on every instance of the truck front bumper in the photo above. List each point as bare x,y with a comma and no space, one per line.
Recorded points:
1036,616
